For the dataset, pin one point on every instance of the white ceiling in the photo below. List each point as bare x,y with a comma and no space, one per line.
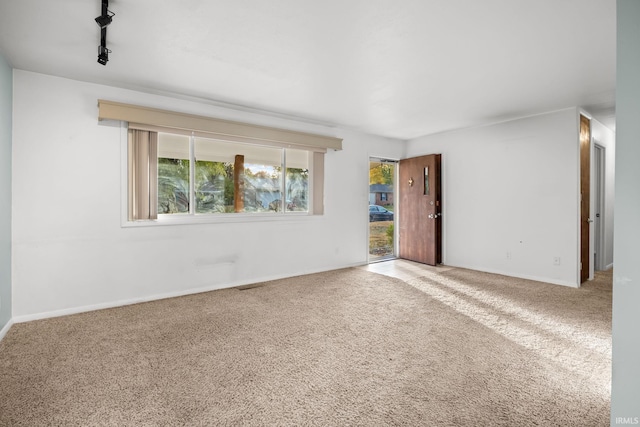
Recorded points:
398,68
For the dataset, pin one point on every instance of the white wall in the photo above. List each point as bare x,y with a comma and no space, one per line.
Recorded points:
6,88
606,138
625,393
70,252
510,196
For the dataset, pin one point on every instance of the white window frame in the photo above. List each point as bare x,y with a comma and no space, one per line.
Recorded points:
192,157
313,213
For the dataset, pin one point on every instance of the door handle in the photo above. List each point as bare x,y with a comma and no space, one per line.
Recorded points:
589,220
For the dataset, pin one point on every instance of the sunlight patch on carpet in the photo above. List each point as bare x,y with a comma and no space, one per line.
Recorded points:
552,347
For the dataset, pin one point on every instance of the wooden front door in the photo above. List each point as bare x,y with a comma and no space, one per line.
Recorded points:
419,210
585,196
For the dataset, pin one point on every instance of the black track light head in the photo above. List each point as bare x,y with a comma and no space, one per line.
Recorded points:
103,55
105,19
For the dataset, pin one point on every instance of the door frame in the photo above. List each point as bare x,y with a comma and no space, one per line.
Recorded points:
599,174
396,163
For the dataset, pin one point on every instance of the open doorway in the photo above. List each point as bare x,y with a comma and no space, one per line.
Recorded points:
382,230
599,192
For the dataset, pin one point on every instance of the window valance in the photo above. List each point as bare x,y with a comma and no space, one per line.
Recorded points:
139,116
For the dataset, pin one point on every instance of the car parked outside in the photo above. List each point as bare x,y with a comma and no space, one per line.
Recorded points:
378,213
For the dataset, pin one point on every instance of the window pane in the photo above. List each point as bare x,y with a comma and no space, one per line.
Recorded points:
173,173
214,190
297,180
263,178
260,179
214,187
426,181
262,187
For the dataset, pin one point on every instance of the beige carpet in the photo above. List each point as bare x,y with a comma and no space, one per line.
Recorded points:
347,347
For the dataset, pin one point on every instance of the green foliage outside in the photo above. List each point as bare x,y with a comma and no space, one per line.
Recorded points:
390,234
214,187
173,185
381,174
215,190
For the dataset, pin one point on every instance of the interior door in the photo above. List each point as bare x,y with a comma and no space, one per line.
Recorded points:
419,210
585,187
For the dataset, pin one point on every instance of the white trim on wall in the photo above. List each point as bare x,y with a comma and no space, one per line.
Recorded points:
153,297
5,330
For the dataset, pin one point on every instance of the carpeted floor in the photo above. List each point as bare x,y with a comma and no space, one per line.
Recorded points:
346,347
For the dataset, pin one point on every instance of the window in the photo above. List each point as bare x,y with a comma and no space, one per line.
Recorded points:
182,165
176,174
229,177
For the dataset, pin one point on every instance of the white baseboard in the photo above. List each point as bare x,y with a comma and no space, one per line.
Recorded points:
6,328
155,297
519,276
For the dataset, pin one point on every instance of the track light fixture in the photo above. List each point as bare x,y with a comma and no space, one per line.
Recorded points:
105,19
103,22
103,55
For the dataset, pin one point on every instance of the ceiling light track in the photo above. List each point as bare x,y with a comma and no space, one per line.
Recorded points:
103,22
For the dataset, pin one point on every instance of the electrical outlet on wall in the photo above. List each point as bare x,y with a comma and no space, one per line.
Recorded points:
556,260
508,255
